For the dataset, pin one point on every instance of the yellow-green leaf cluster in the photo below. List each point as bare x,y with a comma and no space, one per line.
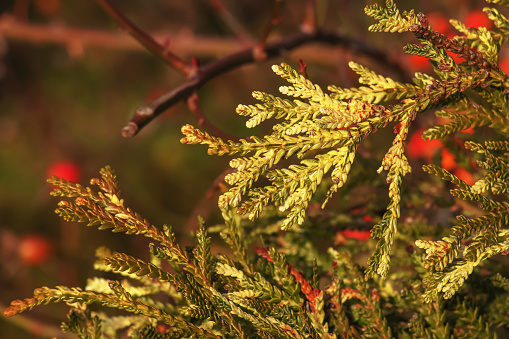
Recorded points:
389,18
288,287
450,261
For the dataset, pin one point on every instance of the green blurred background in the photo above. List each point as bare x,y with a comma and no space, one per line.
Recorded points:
68,101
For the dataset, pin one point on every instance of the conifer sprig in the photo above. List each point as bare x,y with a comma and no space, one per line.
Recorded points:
119,298
267,294
322,122
107,211
342,119
276,301
449,260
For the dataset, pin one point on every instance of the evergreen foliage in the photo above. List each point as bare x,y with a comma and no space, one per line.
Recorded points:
280,284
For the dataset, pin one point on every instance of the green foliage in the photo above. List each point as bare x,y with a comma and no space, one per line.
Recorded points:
341,120
288,287
450,260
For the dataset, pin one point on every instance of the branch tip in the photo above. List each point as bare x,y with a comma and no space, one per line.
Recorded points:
130,130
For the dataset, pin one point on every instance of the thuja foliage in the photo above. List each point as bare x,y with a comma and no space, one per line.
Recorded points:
281,284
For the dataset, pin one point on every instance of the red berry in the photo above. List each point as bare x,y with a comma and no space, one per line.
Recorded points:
439,22
419,148
418,63
34,249
464,175
356,234
477,19
162,328
469,130
448,161
358,210
65,170
368,218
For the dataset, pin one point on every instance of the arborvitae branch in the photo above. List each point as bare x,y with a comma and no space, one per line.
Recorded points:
122,262
450,262
291,289
108,211
119,299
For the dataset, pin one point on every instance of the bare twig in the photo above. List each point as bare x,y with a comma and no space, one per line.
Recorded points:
275,19
192,45
235,26
192,103
145,39
146,114
309,23
187,44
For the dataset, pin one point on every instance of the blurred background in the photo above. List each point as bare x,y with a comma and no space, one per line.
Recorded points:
70,80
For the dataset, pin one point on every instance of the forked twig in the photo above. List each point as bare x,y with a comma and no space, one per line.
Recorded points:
275,19
197,76
204,73
146,40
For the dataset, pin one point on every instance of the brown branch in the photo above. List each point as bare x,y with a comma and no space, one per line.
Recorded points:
15,29
192,103
188,44
309,23
185,43
235,26
275,19
146,114
143,38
